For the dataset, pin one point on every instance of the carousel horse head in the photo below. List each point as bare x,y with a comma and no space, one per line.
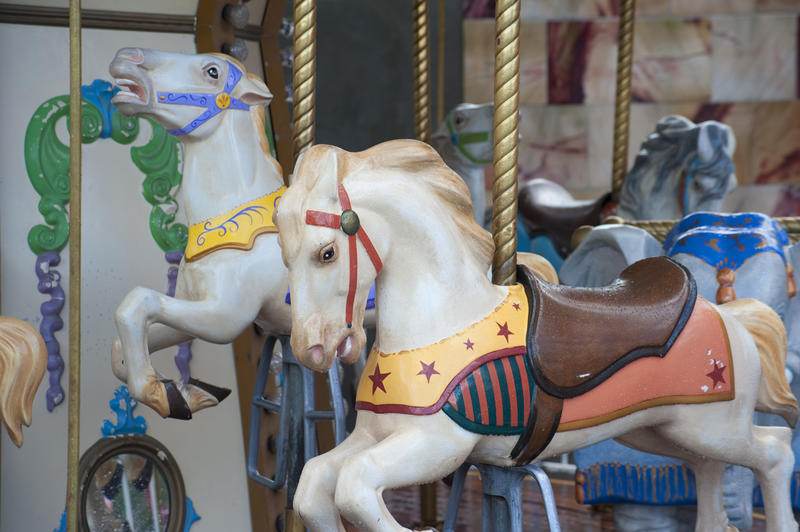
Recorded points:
682,167
182,92
465,137
335,243
464,141
23,358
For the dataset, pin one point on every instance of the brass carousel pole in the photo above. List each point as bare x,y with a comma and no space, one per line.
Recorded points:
506,141
304,74
622,104
74,402
440,66
422,113
422,131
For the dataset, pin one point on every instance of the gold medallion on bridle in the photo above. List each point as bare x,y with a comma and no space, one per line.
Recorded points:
349,222
223,100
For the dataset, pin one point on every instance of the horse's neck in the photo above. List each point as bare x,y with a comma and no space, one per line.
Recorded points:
226,169
429,289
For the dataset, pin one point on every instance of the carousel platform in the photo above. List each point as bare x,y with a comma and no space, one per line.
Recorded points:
404,504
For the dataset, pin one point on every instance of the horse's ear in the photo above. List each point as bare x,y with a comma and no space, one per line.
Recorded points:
255,91
714,136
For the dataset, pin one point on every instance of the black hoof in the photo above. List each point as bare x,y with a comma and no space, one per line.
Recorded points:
178,408
218,393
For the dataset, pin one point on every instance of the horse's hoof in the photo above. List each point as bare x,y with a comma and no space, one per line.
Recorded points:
199,397
218,393
178,408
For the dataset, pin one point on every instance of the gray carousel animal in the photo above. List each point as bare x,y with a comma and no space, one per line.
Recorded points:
730,256
682,167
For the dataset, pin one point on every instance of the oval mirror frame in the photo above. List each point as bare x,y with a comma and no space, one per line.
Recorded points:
143,445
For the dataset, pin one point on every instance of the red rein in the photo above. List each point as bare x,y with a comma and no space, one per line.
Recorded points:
352,228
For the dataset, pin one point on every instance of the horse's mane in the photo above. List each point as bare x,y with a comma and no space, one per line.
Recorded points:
423,167
671,145
23,359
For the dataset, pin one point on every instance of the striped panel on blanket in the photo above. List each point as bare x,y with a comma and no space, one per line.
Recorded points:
493,399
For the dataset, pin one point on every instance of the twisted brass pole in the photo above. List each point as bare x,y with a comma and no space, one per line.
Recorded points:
304,74
74,397
506,141
422,113
622,104
440,66
422,131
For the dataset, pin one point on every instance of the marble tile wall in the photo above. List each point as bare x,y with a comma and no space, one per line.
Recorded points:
735,61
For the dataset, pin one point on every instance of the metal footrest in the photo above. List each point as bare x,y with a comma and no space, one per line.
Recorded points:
502,496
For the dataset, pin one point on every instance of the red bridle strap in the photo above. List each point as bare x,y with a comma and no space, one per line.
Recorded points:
334,221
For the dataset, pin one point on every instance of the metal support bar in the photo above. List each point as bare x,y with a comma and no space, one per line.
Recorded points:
296,423
74,400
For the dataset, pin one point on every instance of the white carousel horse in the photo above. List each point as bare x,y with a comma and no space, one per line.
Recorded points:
464,141
400,214
682,167
23,359
232,273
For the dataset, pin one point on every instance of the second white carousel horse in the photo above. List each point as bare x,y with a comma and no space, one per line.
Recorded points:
450,377
231,274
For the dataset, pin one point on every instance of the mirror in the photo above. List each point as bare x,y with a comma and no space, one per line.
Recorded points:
131,483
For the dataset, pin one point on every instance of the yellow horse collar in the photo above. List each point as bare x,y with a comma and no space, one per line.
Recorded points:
236,229
418,381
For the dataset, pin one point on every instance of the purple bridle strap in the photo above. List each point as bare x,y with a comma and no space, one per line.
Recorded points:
212,102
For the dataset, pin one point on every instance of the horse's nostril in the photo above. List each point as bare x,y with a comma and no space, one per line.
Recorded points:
133,55
317,355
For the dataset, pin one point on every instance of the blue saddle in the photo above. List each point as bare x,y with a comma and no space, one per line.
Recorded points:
726,240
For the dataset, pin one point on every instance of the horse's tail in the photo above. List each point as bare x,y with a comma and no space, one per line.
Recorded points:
769,334
23,359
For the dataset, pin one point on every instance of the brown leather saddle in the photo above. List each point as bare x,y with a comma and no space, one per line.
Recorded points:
578,337
546,208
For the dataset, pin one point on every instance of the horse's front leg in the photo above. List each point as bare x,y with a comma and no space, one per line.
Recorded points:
314,498
422,449
159,337
215,319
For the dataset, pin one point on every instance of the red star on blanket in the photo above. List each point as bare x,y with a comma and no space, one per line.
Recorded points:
377,379
428,370
716,375
504,330
515,305
469,345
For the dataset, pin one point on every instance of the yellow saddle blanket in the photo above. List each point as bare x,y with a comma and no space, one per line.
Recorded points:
418,381
236,229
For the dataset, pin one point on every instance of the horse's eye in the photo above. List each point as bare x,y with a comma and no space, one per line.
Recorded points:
213,72
328,253
458,120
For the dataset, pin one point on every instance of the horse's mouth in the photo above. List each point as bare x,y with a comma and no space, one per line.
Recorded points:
129,91
345,348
